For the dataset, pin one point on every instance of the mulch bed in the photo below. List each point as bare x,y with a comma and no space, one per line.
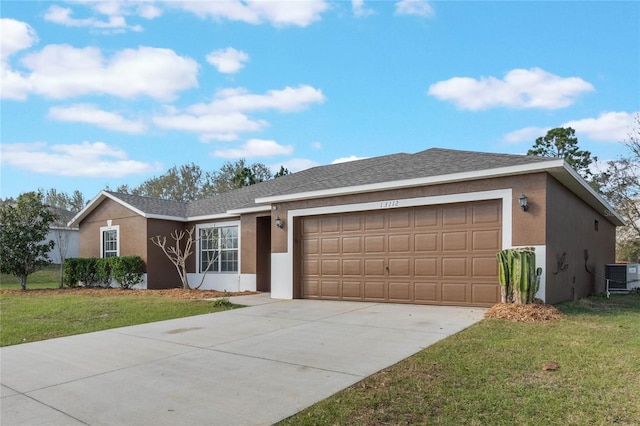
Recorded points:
176,293
532,312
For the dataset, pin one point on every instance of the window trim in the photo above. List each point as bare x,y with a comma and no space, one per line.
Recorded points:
104,229
217,225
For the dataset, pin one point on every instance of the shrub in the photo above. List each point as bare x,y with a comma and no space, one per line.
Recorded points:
70,275
127,270
103,271
92,271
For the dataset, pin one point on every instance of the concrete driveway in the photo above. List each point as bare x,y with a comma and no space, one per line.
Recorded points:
255,365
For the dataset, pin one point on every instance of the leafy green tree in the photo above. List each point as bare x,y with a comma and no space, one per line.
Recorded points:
237,174
282,172
562,143
182,183
189,182
23,228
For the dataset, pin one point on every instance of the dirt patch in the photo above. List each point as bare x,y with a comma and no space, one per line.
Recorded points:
176,293
532,312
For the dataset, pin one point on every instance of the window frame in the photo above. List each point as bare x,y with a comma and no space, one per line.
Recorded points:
103,231
218,264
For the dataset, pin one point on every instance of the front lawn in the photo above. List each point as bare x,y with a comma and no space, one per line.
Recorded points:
47,277
27,316
490,374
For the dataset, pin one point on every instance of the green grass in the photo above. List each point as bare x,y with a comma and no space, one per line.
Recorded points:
27,317
490,374
48,277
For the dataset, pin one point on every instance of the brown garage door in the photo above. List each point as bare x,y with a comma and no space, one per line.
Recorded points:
442,254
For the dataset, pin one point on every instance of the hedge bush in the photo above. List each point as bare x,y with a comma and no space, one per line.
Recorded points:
92,271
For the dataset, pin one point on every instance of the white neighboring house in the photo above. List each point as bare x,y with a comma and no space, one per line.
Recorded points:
66,239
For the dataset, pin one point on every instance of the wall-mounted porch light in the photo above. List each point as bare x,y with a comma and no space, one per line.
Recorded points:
522,199
279,222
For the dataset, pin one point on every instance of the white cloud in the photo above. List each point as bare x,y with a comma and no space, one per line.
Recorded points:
63,71
608,126
316,145
91,114
526,134
520,88
359,9
414,7
228,60
88,159
15,36
225,117
255,148
286,100
347,159
62,16
226,127
277,13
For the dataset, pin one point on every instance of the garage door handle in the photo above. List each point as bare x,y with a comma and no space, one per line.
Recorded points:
387,269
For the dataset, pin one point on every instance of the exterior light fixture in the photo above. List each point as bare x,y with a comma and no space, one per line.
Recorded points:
279,222
522,199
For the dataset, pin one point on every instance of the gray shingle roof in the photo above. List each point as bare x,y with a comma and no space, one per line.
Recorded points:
389,168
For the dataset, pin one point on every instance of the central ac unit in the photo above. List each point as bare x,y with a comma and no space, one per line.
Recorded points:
622,276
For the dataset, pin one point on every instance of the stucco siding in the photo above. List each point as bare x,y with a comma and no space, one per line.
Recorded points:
132,234
161,273
572,228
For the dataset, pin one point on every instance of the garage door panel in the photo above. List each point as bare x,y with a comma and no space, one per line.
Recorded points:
486,240
426,242
374,244
329,224
484,293
311,267
374,222
352,245
443,254
352,267
330,289
400,291
455,292
330,267
426,292
454,267
399,243
352,290
311,225
454,215
352,223
455,241
426,217
330,245
311,246
374,267
374,290
399,267
399,219
311,288
484,267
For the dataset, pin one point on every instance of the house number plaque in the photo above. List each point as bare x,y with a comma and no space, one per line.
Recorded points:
389,204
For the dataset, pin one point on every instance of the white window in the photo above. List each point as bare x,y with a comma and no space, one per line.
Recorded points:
110,241
218,248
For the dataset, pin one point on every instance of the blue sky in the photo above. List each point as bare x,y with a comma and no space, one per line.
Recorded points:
98,93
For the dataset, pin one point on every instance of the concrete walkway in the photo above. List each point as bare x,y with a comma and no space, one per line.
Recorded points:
249,366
